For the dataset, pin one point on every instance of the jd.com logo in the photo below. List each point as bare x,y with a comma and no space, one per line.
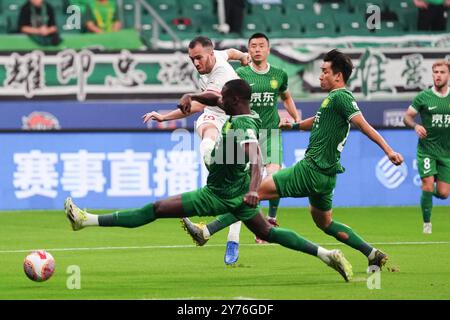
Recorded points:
390,175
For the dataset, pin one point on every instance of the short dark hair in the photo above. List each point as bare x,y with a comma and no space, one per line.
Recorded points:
340,62
257,36
239,88
204,41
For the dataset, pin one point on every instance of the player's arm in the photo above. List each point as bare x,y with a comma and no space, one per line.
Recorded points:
208,97
305,125
234,54
408,120
253,152
359,121
173,115
289,105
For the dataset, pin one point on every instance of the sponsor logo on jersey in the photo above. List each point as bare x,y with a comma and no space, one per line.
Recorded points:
39,120
432,108
390,175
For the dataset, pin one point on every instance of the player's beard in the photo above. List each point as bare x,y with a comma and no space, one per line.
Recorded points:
441,85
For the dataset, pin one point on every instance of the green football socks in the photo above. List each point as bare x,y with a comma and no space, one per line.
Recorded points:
292,240
426,203
346,235
221,222
129,218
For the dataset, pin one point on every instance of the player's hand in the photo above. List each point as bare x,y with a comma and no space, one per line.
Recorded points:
285,124
185,104
153,116
246,60
251,199
421,131
396,158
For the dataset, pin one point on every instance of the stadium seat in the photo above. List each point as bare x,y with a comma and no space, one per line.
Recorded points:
196,7
167,9
288,28
331,8
361,6
350,24
318,26
253,24
298,6
390,28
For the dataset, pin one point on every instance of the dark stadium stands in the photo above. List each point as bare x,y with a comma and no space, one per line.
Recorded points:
290,19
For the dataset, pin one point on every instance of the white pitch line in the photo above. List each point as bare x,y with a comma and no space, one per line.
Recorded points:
215,245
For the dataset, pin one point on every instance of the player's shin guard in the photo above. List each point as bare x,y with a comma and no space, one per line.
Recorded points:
128,219
290,239
426,203
346,235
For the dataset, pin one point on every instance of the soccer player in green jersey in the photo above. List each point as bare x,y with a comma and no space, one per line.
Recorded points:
433,150
315,176
268,83
230,187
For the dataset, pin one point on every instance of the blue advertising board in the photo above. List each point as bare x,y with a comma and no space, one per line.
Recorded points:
45,115
126,169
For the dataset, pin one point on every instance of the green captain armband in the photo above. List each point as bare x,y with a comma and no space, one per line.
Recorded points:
296,126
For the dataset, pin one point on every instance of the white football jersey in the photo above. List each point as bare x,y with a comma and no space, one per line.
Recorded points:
221,73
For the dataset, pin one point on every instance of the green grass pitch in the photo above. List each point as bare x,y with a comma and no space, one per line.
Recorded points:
159,261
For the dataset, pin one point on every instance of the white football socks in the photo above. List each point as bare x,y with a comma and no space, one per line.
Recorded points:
233,234
323,254
92,220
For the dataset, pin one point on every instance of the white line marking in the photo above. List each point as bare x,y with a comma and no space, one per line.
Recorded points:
215,245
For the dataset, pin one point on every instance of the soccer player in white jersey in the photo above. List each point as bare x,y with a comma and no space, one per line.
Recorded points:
215,71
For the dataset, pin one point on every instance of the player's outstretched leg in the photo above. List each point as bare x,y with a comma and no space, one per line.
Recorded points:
344,234
289,239
80,219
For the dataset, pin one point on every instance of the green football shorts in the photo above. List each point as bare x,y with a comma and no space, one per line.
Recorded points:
271,146
431,166
302,180
203,202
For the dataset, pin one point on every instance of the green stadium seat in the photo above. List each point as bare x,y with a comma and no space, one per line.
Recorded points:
167,9
361,6
390,28
184,32
349,24
298,6
285,29
329,9
318,26
253,24
196,7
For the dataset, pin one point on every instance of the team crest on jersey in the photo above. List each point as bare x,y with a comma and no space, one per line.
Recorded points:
273,83
325,103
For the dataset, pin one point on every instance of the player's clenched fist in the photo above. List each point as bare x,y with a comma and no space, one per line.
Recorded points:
396,158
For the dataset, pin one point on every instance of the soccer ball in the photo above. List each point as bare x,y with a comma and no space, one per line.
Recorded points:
39,265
